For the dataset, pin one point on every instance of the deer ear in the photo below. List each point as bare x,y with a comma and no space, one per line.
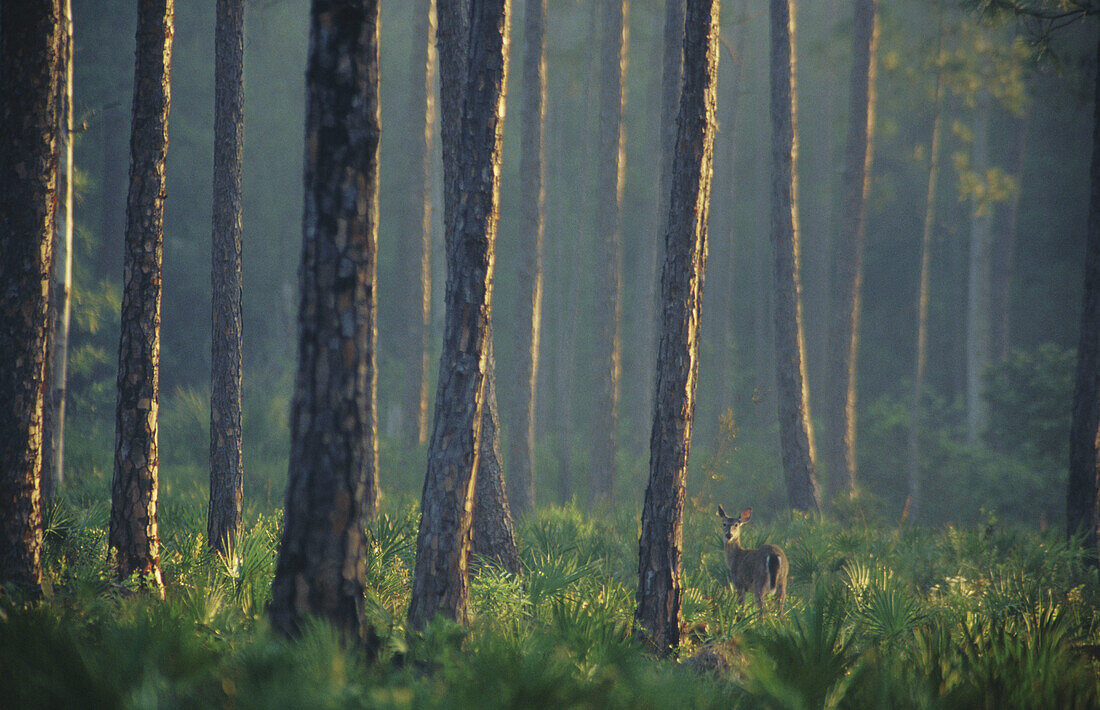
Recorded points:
746,514
722,512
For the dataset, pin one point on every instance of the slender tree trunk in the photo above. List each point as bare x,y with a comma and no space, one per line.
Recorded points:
795,431
60,299
847,292
521,449
913,506
657,616
226,465
332,485
441,579
30,43
980,282
1083,493
1004,270
609,192
416,296
133,528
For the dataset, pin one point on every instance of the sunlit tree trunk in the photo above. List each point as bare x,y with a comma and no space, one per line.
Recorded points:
847,296
980,283
657,617
1083,496
441,578
133,526
332,482
60,300
795,432
30,43
226,465
521,449
610,168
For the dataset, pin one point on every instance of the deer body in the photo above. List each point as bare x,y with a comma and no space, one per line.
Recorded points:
761,570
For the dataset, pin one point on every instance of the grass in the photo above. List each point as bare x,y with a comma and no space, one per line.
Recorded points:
878,616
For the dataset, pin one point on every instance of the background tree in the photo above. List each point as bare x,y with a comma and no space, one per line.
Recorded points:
441,581
30,44
226,464
610,168
660,546
840,405
133,528
795,431
333,483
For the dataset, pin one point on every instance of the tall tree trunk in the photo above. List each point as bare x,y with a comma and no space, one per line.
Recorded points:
133,526
441,579
226,465
1004,268
1083,492
795,431
332,485
980,283
672,60
60,299
521,449
657,616
609,192
30,39
415,299
494,537
916,401
847,296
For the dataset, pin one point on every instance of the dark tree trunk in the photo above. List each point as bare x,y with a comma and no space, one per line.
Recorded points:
494,538
30,40
847,296
441,579
795,432
226,465
415,296
333,477
60,299
609,193
657,616
1083,498
521,449
133,528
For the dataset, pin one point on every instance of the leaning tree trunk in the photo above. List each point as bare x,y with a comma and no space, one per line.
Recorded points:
1082,496
657,616
333,480
226,465
60,299
609,192
441,576
847,295
133,528
30,41
521,449
795,432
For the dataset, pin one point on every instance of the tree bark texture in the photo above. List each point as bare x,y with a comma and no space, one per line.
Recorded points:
441,576
226,464
133,525
60,299
415,298
795,431
494,537
30,40
847,291
333,476
923,298
610,161
979,301
1083,491
532,170
657,616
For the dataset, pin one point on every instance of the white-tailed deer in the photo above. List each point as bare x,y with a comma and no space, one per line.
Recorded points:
762,569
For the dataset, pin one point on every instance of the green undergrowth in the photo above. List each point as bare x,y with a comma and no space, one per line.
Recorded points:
990,617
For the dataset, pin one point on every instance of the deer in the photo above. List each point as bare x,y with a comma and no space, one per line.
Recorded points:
762,569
